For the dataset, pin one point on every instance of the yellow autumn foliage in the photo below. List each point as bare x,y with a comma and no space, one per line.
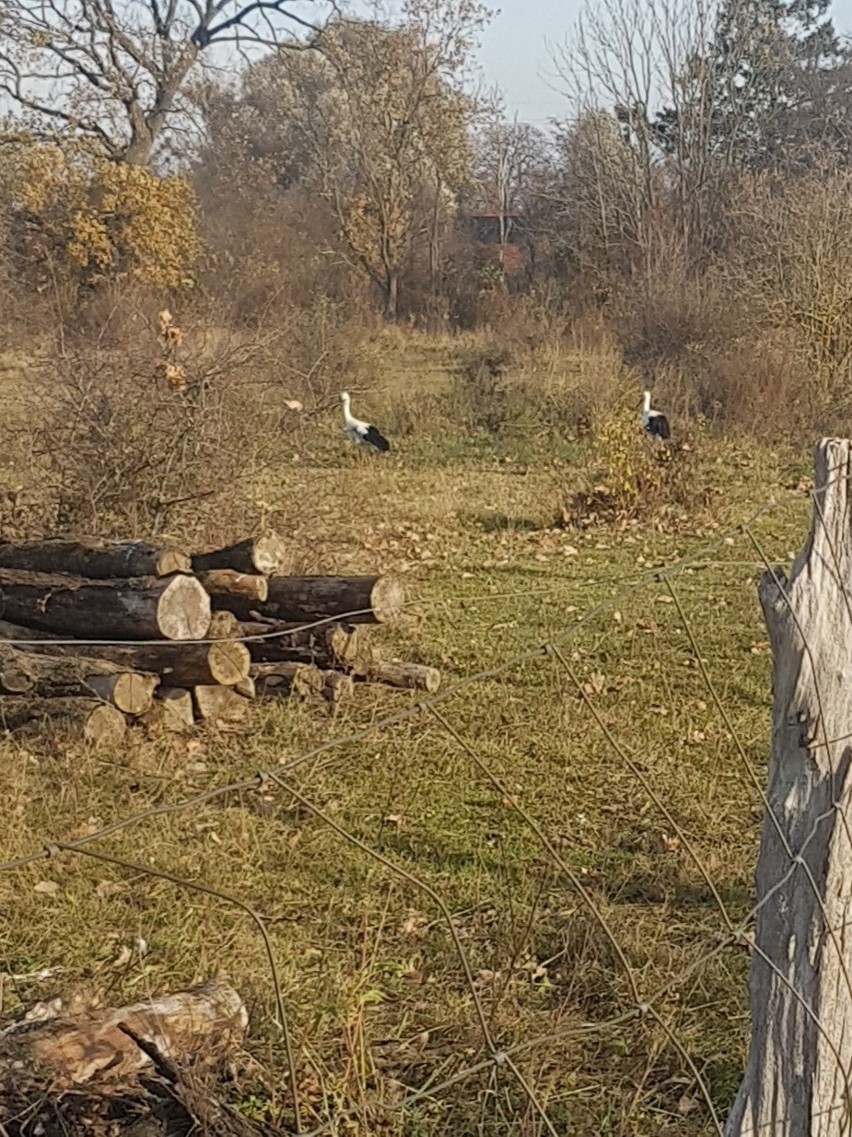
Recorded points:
105,219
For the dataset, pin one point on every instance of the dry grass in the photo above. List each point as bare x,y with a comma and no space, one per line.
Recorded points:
344,868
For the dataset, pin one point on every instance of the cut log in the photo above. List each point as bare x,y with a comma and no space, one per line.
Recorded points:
23,672
299,679
396,673
219,704
88,720
357,599
336,686
800,989
223,626
172,710
180,664
205,1023
128,691
171,608
228,582
330,645
265,555
246,687
98,560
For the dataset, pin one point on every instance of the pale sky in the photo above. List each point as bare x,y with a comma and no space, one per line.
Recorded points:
514,53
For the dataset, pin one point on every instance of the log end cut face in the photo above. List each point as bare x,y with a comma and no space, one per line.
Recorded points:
183,609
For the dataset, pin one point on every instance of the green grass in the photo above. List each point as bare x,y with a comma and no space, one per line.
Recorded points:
345,872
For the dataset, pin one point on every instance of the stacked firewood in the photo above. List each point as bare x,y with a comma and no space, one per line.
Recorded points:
98,634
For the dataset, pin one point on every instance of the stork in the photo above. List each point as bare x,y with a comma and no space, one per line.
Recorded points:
361,432
654,422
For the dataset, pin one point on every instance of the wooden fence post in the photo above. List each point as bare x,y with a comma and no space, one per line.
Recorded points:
797,1079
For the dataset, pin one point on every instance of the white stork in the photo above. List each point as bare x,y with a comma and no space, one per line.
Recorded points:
363,433
654,422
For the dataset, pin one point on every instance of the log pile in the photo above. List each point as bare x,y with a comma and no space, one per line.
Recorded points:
96,635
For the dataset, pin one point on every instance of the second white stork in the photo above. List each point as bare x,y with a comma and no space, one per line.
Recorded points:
361,432
654,422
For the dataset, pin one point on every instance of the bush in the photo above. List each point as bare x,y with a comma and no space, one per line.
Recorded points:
630,476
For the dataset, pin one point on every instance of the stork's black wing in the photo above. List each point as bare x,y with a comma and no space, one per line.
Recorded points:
375,438
658,424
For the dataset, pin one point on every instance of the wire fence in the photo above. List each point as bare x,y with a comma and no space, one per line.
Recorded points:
635,1022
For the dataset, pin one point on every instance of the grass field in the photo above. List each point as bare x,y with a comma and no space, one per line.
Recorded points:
579,816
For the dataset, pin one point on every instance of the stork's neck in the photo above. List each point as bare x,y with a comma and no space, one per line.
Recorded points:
344,398
646,402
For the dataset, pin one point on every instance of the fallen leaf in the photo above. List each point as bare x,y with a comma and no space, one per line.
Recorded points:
106,888
47,887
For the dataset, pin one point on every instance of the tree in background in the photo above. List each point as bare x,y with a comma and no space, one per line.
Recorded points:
116,72
754,76
375,122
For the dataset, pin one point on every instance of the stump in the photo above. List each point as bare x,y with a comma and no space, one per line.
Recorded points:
801,1001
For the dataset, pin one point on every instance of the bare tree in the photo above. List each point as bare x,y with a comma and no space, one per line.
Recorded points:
510,157
114,70
374,122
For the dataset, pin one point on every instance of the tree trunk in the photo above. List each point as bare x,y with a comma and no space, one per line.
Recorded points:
801,994
219,704
227,582
180,664
172,710
94,559
264,555
299,679
172,608
100,1047
89,720
357,599
24,672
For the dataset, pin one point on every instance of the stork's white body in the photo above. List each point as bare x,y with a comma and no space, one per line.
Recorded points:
654,422
364,433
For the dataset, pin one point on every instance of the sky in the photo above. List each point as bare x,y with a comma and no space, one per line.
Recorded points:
514,53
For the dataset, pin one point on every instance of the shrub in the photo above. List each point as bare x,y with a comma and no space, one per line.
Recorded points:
630,476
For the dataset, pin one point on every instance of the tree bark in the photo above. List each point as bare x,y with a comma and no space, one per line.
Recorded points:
207,1022
171,608
357,599
331,645
219,704
396,673
264,555
796,1080
299,679
179,664
97,560
172,710
88,720
227,582
24,672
